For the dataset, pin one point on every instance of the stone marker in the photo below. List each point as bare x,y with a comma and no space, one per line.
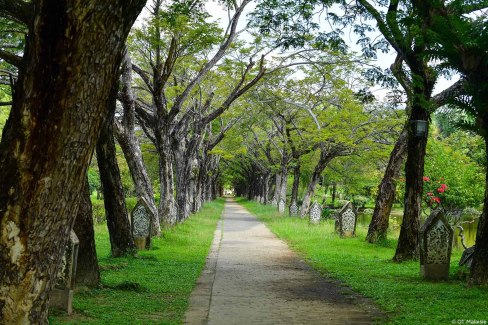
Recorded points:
141,217
315,213
62,294
274,203
281,206
346,220
293,209
435,245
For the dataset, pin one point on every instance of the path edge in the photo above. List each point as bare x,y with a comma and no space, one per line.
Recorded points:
201,296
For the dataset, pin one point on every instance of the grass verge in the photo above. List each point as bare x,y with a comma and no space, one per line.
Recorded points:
154,287
397,288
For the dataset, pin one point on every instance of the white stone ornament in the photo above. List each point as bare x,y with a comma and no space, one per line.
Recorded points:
436,236
293,209
141,222
281,206
315,213
346,221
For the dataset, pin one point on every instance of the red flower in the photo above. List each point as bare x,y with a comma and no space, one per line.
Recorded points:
441,189
426,179
430,194
436,200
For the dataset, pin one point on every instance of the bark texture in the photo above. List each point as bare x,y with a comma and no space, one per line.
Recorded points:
479,268
407,248
324,160
378,228
129,143
70,62
296,184
121,241
87,270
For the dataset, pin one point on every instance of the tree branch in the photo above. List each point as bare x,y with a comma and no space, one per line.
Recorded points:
144,76
448,95
10,58
20,11
211,63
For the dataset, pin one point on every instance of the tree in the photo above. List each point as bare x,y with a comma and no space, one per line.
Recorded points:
459,40
65,76
121,241
378,227
87,270
126,137
202,76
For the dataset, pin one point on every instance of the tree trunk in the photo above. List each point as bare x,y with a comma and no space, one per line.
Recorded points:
277,189
69,66
129,143
319,168
199,186
407,248
182,176
87,271
296,184
334,192
378,228
266,190
283,187
121,241
479,268
167,204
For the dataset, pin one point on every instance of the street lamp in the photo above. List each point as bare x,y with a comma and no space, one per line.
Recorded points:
420,128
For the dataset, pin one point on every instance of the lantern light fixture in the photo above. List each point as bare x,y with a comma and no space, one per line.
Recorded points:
420,128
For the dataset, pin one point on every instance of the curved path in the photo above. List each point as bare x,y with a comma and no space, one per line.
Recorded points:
252,277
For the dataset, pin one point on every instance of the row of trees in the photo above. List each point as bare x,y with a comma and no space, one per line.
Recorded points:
75,79
430,38
75,86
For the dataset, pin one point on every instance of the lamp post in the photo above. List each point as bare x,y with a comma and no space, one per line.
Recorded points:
420,128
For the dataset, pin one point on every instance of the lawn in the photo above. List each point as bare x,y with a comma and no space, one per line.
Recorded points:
154,287
397,288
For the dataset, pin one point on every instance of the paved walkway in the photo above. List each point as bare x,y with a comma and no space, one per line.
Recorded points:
252,277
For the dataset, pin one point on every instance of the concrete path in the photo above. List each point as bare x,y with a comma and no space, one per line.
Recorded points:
252,277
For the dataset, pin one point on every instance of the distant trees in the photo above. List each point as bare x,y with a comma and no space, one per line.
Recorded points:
315,118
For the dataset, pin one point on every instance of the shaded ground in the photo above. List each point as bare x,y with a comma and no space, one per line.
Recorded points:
252,277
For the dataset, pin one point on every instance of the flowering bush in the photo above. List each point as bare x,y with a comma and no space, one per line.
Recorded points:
463,180
434,192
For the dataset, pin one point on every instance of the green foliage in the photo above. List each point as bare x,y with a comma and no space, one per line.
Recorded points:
4,112
98,211
463,177
447,164
396,287
93,179
155,286
468,144
359,201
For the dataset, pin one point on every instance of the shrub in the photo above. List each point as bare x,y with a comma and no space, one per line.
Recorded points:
340,203
98,212
326,213
359,201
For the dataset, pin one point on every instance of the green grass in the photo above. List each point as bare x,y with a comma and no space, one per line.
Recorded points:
154,287
397,288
